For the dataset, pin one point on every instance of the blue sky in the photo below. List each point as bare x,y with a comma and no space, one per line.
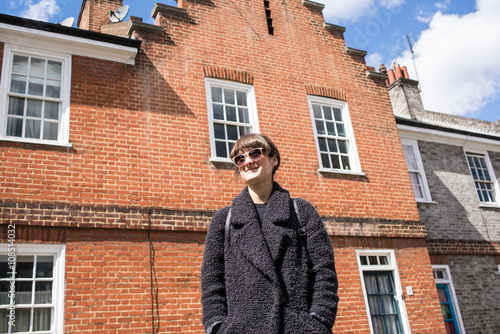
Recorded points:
455,42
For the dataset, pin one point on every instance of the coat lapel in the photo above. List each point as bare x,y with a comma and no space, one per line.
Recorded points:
247,233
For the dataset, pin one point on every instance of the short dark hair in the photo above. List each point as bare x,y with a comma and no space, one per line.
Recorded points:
255,140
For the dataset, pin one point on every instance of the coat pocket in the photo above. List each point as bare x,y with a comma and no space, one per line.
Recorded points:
301,322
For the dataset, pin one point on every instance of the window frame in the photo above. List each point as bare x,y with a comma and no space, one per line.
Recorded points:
491,171
391,266
63,126
351,148
59,253
447,280
427,198
252,111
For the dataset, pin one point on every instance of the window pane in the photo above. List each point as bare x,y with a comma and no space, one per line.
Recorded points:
41,319
374,304
363,260
229,96
43,292
231,114
14,127
35,86
23,316
320,128
231,145
54,70
392,324
20,64
341,130
50,130
342,146
232,132
4,266
53,89
371,283
330,128
18,84
373,260
24,267
243,114
325,161
383,260
44,266
218,110
16,106
219,131
244,130
216,94
4,324
34,108
335,161
328,112
322,144
51,110
32,129
23,292
4,293
317,111
241,98
388,304
345,163
378,325
337,112
220,149
37,67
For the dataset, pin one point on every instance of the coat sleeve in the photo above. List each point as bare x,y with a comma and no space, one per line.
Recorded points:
324,295
213,288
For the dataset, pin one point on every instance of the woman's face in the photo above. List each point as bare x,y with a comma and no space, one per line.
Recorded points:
254,172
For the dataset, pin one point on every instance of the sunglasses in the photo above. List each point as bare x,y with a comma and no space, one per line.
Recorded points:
254,154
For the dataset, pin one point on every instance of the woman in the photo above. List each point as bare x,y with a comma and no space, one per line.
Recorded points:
263,275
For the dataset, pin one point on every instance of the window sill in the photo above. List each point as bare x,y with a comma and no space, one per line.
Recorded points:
489,206
339,171
25,141
424,201
222,162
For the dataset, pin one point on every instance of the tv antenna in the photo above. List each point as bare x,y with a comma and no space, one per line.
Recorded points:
119,14
409,43
68,22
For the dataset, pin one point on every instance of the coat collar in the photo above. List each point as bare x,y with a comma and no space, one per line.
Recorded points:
278,207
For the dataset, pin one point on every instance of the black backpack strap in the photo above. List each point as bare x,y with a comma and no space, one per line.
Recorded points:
228,220
302,230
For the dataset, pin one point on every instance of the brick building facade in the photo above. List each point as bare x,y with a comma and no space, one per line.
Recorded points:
455,167
113,158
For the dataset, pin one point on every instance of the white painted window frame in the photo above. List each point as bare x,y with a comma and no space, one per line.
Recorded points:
392,267
252,110
449,282
59,252
496,187
421,171
352,148
63,129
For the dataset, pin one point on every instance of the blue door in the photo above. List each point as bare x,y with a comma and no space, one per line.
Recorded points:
450,319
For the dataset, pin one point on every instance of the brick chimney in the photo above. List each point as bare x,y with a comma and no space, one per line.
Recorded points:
95,13
404,93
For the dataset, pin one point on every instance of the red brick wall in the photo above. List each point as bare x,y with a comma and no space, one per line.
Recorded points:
140,133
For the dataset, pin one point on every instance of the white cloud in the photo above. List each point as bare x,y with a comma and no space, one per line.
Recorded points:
457,60
44,10
443,5
351,11
374,59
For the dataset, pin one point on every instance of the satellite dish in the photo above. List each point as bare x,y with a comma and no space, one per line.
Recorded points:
68,22
119,14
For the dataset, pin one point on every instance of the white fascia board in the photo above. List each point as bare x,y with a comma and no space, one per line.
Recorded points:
73,45
443,137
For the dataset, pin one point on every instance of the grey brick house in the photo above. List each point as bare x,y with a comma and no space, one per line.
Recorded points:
454,166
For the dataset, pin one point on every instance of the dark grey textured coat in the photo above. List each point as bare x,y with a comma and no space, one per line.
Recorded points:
260,280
